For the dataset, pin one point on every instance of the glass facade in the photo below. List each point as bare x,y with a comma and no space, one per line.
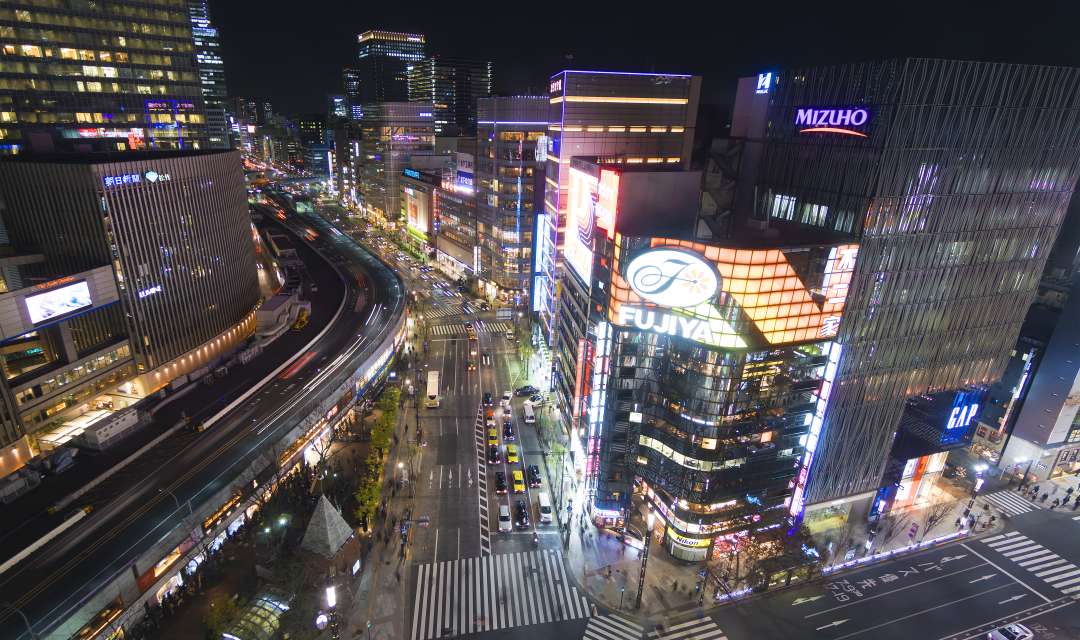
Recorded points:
508,172
390,133
211,73
382,62
107,76
452,87
955,198
646,119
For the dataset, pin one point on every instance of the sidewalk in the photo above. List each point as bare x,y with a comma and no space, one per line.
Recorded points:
379,594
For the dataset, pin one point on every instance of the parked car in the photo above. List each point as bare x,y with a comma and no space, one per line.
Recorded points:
527,390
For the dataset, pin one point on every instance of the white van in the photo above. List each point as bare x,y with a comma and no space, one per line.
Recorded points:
544,503
505,526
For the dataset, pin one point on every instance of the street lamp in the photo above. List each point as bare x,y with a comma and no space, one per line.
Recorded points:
650,519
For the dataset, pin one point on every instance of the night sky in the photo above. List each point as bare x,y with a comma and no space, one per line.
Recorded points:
292,51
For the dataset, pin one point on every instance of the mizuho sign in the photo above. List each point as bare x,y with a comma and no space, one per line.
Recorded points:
672,278
844,120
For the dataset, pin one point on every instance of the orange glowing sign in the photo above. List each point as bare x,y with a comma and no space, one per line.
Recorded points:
761,282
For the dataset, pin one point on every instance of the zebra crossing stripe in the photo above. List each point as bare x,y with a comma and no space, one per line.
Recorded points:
1003,535
611,627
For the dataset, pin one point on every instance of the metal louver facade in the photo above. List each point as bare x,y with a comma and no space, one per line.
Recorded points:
956,194
175,228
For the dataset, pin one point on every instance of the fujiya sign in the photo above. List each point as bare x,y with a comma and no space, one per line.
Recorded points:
844,120
710,332
672,278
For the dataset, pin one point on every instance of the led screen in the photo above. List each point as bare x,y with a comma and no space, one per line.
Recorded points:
417,213
580,224
58,302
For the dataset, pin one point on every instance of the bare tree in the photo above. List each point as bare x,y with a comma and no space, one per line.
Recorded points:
895,525
934,515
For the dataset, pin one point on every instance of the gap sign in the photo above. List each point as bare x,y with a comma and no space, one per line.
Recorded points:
843,120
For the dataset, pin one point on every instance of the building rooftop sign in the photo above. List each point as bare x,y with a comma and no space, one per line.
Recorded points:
848,121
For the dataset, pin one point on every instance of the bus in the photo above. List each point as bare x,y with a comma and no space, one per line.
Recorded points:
432,401
530,416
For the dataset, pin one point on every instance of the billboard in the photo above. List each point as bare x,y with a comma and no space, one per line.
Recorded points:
690,290
58,302
417,211
580,224
464,181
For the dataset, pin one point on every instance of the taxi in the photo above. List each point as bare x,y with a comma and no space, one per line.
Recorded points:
519,481
493,436
512,454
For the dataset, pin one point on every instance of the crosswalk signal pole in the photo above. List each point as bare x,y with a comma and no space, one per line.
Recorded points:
650,519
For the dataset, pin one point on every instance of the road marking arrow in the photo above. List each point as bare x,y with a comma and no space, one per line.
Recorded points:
799,601
951,558
981,578
834,623
1016,597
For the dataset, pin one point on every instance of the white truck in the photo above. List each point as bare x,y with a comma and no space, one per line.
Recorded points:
16,484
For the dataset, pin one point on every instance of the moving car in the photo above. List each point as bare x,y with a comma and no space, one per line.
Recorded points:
536,399
488,402
504,519
1011,632
518,479
493,454
487,359
493,436
485,306
508,431
533,472
500,482
521,514
512,454
527,390
506,396
543,503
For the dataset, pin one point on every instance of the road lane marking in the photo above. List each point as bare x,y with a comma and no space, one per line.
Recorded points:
964,545
999,537
919,613
834,623
981,578
1016,597
1037,610
886,593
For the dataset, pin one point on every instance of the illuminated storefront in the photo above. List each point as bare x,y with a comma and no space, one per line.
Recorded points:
704,373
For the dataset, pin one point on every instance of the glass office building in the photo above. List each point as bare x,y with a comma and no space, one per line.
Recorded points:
953,177
391,132
211,73
382,65
452,86
509,181
99,76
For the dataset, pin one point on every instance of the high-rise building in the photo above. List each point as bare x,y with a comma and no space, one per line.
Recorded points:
311,128
336,106
954,218
350,83
648,118
452,86
382,64
390,133
511,142
99,77
211,73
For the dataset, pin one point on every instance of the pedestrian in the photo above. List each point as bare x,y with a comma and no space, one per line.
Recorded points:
1044,497
1054,504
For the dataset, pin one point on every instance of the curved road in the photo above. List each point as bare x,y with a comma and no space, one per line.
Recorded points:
55,582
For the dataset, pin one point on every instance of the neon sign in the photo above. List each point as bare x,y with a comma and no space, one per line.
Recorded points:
839,120
672,278
710,331
764,82
962,416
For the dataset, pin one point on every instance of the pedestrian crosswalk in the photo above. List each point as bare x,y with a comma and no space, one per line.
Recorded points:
1011,503
471,595
446,330
1039,561
612,627
439,313
698,629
